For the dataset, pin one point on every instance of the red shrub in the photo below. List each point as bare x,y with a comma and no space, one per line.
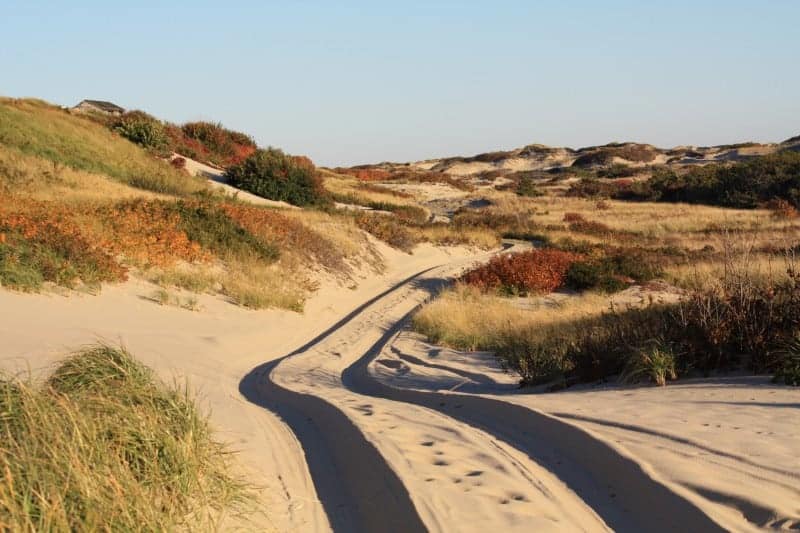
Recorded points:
178,162
535,271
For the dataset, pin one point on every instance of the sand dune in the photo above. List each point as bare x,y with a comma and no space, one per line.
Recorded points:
697,437
349,422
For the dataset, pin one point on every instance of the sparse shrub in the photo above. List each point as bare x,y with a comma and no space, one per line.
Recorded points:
365,174
526,187
275,175
534,271
388,230
654,361
788,370
579,224
782,209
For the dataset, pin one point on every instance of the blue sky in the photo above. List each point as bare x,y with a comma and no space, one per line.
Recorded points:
355,82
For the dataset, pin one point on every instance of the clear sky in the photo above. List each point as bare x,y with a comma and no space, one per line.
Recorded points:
353,82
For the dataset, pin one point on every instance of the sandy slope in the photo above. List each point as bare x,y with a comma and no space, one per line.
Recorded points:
727,448
729,445
214,348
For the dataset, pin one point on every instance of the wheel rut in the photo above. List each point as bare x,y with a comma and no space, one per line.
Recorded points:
361,492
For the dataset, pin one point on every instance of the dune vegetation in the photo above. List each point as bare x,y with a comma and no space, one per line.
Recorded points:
715,289
101,444
91,199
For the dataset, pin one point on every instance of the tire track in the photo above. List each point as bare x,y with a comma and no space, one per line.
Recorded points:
616,487
359,491
357,488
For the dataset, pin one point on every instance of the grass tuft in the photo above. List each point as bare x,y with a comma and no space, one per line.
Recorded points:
103,445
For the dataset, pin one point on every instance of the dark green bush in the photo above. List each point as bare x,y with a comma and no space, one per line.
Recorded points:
740,185
275,175
526,187
143,129
612,271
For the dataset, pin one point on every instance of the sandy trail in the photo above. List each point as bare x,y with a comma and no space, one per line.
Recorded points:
727,445
409,460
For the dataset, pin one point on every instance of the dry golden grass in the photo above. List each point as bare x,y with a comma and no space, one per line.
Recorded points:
41,179
446,235
465,318
52,134
348,186
102,445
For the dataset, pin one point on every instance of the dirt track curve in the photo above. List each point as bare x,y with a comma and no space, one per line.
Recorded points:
358,488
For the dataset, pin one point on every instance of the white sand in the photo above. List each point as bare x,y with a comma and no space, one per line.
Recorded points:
214,349
730,445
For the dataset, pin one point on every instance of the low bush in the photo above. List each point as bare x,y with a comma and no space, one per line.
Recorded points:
531,272
612,271
144,130
45,244
275,175
271,226
104,446
388,230
580,224
526,187
209,225
220,145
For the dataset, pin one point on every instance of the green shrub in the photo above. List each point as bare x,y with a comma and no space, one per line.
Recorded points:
275,175
612,271
526,187
654,361
144,130
788,370
740,185
210,226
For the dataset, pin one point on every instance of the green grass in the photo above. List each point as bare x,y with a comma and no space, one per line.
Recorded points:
207,224
104,446
36,128
26,263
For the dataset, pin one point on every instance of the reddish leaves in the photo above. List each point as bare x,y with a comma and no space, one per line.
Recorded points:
535,271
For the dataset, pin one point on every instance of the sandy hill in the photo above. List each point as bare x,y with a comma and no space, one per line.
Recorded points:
539,157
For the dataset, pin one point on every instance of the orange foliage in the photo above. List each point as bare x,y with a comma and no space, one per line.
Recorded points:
534,271
52,227
147,232
272,226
